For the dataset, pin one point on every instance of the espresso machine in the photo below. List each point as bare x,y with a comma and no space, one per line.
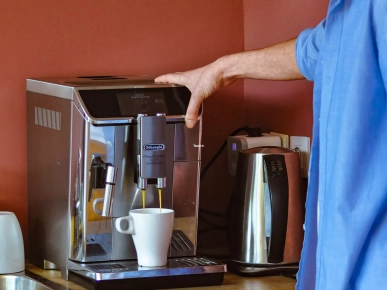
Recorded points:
96,144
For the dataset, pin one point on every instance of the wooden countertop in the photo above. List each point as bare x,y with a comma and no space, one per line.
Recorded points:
231,281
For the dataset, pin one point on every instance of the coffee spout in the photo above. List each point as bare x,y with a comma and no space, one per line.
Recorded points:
161,182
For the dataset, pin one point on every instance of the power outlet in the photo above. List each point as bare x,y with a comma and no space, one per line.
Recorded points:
302,145
284,139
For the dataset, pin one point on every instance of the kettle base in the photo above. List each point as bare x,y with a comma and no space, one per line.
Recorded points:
260,270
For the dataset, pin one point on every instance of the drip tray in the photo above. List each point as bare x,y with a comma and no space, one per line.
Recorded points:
128,275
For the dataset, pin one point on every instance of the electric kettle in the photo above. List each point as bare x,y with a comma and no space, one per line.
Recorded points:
266,212
11,244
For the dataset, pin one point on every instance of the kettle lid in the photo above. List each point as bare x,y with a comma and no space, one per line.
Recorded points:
267,150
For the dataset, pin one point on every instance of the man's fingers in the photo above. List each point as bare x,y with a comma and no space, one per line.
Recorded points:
174,78
161,79
196,97
192,111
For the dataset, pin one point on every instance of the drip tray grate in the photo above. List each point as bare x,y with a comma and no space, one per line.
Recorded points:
107,267
194,262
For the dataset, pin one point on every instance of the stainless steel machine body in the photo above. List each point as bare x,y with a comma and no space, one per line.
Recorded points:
83,174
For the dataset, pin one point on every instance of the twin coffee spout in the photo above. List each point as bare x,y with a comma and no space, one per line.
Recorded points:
151,156
151,152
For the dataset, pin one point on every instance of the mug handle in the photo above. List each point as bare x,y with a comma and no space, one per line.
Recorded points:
130,229
95,204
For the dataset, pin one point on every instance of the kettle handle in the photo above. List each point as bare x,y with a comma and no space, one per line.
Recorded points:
275,174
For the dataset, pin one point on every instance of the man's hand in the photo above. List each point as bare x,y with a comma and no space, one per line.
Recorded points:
202,83
277,62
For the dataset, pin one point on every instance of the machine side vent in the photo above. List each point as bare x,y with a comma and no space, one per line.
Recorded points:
47,118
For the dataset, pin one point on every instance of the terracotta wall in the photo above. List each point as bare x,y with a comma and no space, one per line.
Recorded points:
67,38
286,106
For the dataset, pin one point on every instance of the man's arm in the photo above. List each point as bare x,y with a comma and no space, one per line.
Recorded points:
276,62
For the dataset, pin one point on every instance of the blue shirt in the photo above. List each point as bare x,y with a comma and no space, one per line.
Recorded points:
346,57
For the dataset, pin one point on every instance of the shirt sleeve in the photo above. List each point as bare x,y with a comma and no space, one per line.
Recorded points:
308,46
380,29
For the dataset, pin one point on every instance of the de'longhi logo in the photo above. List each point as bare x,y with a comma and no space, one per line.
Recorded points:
154,147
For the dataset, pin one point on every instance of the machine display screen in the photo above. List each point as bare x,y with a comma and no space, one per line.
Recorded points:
132,103
115,103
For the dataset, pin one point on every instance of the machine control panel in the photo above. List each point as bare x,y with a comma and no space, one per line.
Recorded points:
121,103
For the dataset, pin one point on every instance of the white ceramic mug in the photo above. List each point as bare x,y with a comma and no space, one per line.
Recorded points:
151,229
11,244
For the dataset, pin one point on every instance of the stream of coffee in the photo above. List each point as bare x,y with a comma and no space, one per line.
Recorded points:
160,197
143,191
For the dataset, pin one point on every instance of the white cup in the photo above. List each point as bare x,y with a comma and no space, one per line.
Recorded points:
11,244
151,229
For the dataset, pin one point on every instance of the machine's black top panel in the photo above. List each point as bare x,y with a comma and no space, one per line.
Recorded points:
115,103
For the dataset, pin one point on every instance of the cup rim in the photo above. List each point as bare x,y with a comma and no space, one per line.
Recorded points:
154,210
6,213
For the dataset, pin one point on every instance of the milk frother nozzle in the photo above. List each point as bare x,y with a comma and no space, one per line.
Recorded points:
111,175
